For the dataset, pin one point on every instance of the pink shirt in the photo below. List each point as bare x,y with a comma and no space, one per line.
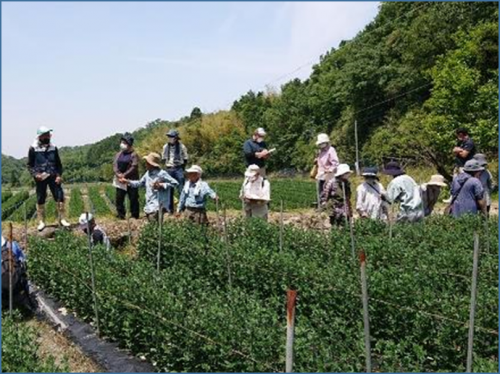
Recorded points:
327,162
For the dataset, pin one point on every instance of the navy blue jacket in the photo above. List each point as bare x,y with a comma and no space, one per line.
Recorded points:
250,148
44,159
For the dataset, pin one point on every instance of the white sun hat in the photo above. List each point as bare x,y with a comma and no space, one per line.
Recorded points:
43,130
343,169
252,170
83,219
194,169
322,138
261,132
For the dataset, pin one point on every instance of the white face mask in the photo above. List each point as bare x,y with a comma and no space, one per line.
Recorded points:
171,140
259,139
123,146
323,145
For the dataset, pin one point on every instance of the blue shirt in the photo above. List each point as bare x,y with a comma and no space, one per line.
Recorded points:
469,190
147,180
16,251
194,195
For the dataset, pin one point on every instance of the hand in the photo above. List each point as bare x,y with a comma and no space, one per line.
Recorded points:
58,180
123,180
38,177
216,198
120,176
457,150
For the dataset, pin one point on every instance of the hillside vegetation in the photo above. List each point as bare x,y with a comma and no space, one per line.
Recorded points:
411,77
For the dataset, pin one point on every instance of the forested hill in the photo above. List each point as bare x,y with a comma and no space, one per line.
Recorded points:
412,76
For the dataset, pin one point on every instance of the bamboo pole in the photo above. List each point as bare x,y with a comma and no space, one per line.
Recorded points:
473,303
92,273
160,221
281,225
290,328
366,318
11,265
358,173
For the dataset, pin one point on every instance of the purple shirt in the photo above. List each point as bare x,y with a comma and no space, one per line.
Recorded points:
471,190
327,162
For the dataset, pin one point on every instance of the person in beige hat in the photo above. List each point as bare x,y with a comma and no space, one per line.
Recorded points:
159,185
326,161
255,193
336,196
430,192
194,197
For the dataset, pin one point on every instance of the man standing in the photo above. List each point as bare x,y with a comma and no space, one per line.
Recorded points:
467,191
256,152
126,165
464,150
176,157
45,167
403,189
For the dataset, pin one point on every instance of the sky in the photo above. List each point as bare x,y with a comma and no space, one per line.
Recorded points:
90,69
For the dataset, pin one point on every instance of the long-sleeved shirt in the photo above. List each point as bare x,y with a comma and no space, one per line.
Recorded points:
327,162
127,163
155,197
369,200
194,195
250,148
333,197
404,189
44,159
430,195
466,192
487,181
175,154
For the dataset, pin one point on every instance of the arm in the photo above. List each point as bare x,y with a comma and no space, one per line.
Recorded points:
167,180
139,183
163,155
59,167
247,149
334,160
182,202
478,192
115,165
31,162
393,193
208,191
360,198
185,155
134,166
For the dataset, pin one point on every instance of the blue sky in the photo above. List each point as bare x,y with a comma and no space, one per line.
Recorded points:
89,70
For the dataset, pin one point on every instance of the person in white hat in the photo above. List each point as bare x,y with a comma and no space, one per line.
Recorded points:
430,192
327,160
194,196
44,165
486,180
369,202
97,234
336,196
255,150
255,193
467,191
159,186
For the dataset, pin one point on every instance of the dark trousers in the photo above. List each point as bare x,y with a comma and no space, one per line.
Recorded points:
133,197
55,189
178,174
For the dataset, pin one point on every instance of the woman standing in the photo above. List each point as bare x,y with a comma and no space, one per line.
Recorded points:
126,166
327,162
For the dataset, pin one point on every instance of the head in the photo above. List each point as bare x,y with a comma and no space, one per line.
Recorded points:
152,161
393,169
44,135
194,173
462,134
481,158
83,222
323,141
474,168
436,183
173,136
343,172
370,174
259,135
252,172
126,142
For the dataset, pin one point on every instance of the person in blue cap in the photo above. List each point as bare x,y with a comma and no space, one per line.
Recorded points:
176,156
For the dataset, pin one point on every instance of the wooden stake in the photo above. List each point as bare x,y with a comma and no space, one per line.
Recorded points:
475,264
290,328
366,318
92,274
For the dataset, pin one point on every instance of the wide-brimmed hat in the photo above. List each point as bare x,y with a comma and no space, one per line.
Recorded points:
261,132
194,169
322,138
343,169
437,180
481,158
128,138
43,130
153,159
251,171
472,166
393,168
83,219
369,172
172,133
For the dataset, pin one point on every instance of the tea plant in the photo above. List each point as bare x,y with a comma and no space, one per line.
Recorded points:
11,205
76,204
18,215
6,195
99,205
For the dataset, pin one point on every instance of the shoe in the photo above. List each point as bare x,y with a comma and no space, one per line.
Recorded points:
65,223
41,226
448,200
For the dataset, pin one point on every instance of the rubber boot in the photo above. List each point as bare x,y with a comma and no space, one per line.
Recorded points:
40,212
62,220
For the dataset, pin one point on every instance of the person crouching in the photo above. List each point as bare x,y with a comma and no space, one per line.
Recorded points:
97,234
194,197
256,193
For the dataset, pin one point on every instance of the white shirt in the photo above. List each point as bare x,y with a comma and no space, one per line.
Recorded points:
369,200
258,189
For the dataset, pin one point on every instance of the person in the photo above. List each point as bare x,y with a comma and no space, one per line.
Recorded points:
369,203
336,196
126,166
159,185
17,272
194,196
97,234
44,165
403,189
430,192
467,191
464,150
486,180
255,193
256,152
326,160
176,157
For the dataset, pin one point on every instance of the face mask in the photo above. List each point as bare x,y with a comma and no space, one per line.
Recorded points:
171,140
44,141
123,146
323,145
370,180
259,139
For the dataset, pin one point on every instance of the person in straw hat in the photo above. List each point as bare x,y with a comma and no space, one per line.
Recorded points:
327,161
430,192
486,180
194,196
159,185
405,191
256,193
336,196
369,202
467,191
